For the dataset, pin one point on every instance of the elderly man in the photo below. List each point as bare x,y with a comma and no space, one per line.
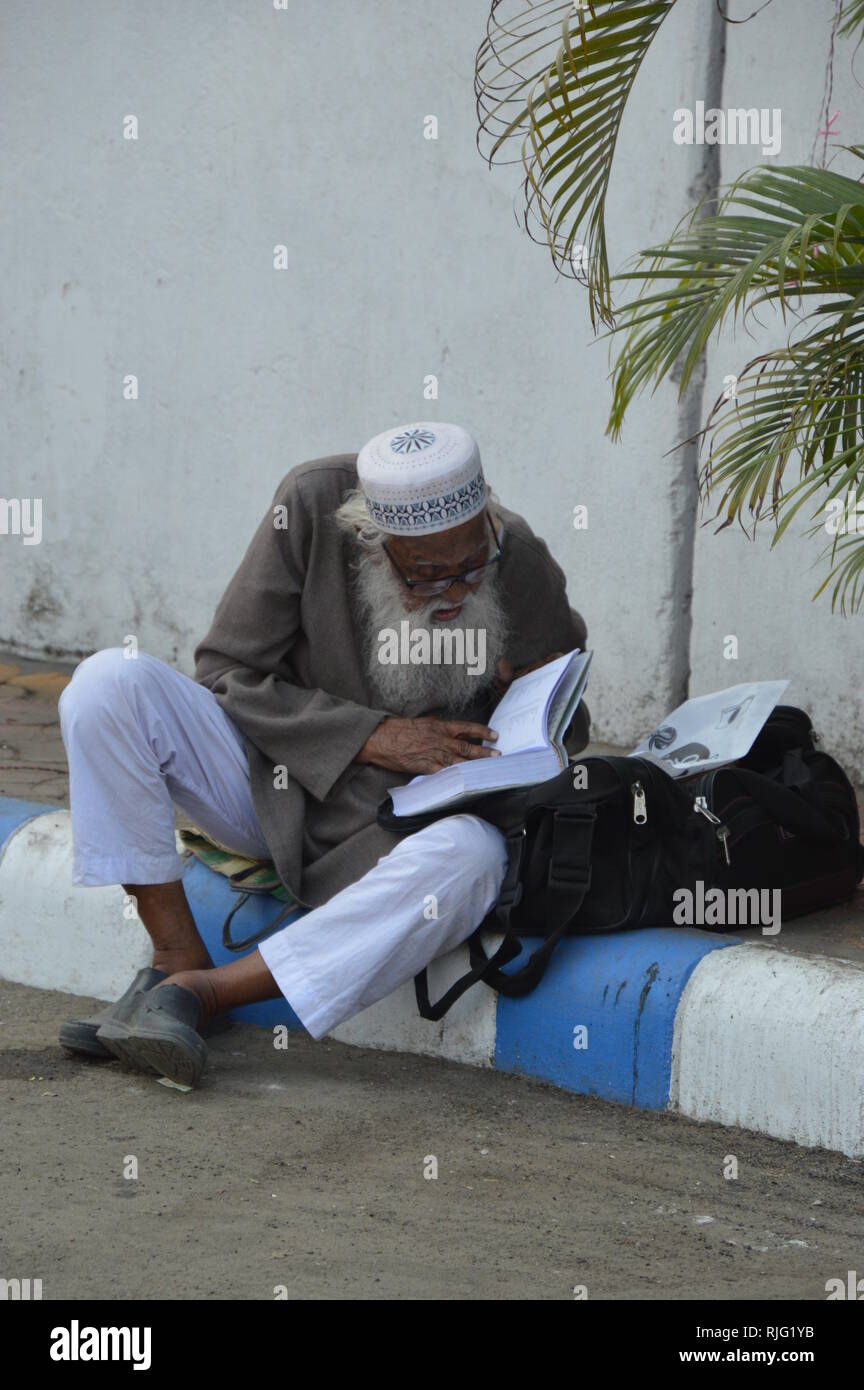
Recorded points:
295,726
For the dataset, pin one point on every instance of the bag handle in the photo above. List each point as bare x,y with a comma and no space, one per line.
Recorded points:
245,894
508,896
567,885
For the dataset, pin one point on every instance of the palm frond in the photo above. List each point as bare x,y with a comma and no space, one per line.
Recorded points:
553,78
787,238
848,575
852,21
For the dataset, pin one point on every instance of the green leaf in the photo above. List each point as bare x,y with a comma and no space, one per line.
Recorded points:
554,80
853,18
793,435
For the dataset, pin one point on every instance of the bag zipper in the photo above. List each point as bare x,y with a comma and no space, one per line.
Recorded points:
619,775
700,804
741,823
651,775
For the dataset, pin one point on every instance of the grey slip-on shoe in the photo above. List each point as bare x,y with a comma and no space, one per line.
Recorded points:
160,1036
80,1034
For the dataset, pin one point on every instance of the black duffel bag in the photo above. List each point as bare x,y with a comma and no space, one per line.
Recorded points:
609,842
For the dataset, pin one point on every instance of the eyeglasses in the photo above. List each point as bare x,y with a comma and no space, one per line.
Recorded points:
427,587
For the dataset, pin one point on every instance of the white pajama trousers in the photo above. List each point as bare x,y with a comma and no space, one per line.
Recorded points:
141,738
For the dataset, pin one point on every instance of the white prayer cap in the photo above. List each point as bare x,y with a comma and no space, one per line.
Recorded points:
422,478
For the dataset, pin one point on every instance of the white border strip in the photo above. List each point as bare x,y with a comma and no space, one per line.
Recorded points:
773,1042
54,935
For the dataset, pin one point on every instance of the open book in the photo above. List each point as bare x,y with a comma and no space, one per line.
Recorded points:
530,721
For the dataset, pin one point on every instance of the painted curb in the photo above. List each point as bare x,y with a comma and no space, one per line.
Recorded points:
774,1041
663,1018
623,989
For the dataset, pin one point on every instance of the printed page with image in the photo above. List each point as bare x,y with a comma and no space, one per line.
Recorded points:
710,730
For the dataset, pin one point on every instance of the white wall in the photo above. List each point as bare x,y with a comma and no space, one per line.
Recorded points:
305,127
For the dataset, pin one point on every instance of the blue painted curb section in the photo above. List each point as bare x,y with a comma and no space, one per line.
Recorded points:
13,814
211,900
602,1021
664,1018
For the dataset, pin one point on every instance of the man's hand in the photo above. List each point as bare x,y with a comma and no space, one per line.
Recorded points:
425,745
506,675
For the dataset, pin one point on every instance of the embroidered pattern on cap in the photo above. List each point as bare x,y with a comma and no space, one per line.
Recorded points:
429,511
410,441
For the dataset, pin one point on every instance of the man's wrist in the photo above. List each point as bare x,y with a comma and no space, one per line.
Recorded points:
367,753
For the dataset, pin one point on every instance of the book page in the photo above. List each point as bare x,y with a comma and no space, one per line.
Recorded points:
520,719
567,697
465,780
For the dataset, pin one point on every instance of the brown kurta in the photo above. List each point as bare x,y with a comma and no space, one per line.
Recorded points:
284,658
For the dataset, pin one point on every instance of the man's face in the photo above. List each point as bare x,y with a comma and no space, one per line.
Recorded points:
449,680
461,548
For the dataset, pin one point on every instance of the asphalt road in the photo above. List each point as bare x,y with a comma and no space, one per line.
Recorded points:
301,1172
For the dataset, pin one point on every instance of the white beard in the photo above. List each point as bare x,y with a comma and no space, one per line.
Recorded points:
449,688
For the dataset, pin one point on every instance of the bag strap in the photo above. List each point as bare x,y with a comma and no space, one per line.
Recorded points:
509,895
793,803
567,884
568,881
232,945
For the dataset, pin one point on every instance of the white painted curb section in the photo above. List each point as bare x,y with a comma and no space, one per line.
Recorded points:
773,1042
54,935
466,1034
